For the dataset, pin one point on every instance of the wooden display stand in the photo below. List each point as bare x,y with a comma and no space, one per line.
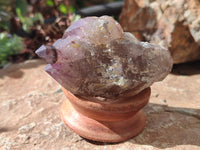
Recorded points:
105,122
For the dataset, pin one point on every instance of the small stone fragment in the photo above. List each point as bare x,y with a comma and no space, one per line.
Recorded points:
96,59
26,128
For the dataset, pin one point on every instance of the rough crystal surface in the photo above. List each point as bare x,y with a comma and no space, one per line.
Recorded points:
96,59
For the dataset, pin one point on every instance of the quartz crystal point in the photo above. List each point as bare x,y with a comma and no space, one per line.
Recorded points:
96,60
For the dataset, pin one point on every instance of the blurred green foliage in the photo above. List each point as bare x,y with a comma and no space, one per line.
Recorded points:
28,22
66,9
24,14
22,6
76,18
12,44
50,3
5,14
9,45
21,10
61,7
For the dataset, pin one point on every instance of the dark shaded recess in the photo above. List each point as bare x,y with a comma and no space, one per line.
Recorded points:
22,33
112,9
187,69
101,143
19,57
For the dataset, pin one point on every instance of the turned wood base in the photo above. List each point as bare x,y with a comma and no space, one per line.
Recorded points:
114,122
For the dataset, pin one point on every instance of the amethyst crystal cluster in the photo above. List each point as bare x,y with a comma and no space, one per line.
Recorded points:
95,59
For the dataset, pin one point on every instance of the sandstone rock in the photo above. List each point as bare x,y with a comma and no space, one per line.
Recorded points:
173,113
172,24
95,58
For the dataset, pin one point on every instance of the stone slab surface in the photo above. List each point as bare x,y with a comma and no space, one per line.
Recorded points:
29,112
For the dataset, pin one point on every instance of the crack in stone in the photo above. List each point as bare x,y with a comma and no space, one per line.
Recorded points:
183,111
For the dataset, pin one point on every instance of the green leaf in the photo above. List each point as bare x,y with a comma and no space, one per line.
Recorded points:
38,17
62,8
72,9
19,14
49,3
76,17
27,24
22,5
26,21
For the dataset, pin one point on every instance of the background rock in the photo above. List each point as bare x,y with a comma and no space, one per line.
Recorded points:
172,24
30,101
